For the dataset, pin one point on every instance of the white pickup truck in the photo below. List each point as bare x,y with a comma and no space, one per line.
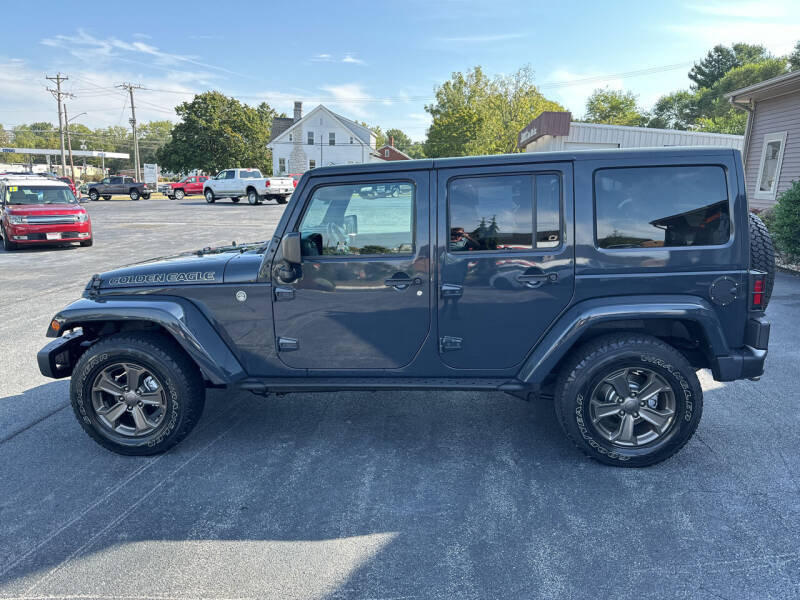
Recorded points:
235,183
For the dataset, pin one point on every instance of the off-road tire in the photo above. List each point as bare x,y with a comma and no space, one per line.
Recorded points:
134,194
179,194
94,196
87,243
180,378
601,357
762,253
209,196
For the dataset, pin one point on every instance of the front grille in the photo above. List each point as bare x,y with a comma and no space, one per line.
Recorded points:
52,220
43,236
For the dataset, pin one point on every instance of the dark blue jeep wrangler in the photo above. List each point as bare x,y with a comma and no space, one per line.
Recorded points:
602,280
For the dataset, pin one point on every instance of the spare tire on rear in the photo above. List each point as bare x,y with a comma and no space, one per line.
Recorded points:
762,253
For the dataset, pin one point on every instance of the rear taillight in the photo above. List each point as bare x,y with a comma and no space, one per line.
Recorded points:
294,182
758,287
268,184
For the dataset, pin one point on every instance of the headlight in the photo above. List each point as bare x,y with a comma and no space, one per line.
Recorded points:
17,219
83,217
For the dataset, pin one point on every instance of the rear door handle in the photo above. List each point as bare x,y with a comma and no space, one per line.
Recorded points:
538,278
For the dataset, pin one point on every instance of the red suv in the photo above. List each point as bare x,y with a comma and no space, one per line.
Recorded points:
188,186
39,210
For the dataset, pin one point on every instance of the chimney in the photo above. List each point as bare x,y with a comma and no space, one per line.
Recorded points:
391,141
298,111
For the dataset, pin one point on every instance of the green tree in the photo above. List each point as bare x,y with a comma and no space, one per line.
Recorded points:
152,136
473,114
401,141
721,59
614,107
217,132
785,222
794,58
678,110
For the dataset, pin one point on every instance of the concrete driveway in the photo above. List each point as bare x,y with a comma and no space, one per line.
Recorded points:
391,495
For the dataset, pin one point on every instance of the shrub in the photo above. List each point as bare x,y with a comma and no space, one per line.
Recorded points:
785,222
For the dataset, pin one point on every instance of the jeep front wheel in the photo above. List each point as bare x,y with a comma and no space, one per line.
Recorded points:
136,393
628,400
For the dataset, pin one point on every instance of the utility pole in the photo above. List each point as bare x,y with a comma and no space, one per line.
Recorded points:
59,95
69,145
130,87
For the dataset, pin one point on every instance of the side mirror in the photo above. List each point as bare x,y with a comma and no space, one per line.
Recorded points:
290,246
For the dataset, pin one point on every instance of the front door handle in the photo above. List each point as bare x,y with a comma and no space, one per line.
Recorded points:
401,281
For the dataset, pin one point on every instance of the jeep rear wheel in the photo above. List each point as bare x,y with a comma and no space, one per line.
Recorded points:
628,400
136,393
762,253
209,196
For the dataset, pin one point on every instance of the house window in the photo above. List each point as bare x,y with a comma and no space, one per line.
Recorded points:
769,169
312,163
332,139
310,138
351,139
290,137
282,165
386,153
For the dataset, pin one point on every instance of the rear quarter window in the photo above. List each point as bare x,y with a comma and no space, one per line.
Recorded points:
661,207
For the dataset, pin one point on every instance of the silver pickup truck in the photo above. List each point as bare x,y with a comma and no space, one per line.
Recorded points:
235,183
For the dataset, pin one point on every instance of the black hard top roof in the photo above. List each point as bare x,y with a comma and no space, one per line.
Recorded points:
523,158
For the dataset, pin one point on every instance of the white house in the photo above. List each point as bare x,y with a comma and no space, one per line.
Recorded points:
320,138
552,131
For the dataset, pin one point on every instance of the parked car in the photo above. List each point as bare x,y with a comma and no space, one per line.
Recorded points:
41,210
117,184
191,185
71,185
599,280
235,183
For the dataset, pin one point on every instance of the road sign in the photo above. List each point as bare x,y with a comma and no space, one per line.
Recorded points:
150,173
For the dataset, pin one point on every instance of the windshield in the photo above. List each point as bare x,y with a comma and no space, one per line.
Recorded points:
249,174
38,194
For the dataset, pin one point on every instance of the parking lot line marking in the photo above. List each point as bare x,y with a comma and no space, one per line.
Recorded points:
131,508
14,434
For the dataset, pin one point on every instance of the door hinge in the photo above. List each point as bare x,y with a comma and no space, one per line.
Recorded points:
287,344
449,343
450,290
284,293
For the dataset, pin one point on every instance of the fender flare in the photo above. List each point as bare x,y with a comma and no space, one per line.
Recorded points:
568,329
180,318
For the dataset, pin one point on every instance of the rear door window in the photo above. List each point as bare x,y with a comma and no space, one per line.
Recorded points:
661,207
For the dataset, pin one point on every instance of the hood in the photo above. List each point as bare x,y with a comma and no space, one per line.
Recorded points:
190,268
44,209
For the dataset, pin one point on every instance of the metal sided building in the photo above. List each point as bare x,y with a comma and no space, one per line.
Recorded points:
553,131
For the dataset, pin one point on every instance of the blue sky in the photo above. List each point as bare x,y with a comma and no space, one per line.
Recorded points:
372,61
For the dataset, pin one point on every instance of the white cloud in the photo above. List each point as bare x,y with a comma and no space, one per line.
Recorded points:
480,39
321,58
350,98
349,58
747,10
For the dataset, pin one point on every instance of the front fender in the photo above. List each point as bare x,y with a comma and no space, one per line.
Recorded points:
179,317
567,330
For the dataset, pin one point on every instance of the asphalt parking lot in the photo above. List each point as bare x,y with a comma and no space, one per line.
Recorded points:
359,495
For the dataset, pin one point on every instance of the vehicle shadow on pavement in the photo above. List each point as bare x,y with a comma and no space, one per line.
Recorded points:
23,411
31,249
427,495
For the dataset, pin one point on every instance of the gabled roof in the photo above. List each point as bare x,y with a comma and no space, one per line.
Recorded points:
279,125
363,134
777,86
387,146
